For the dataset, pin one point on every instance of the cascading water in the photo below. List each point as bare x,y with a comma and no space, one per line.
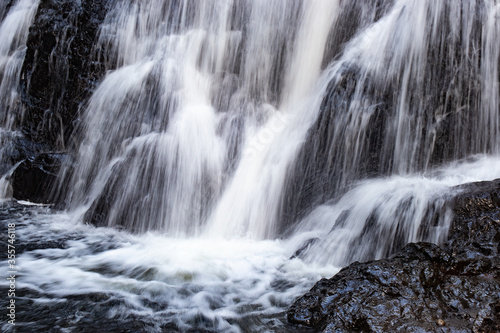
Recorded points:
13,34
254,146
184,105
194,134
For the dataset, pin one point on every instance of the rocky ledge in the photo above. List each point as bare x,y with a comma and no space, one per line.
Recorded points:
454,287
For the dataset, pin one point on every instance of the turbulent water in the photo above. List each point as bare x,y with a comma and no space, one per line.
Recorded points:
237,151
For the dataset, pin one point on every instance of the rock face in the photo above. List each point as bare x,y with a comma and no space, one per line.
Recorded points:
423,288
323,161
60,68
33,178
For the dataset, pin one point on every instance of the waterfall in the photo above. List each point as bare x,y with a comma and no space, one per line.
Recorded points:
214,158
252,119
14,27
241,118
168,135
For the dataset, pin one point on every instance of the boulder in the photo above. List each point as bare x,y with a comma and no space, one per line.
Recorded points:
423,288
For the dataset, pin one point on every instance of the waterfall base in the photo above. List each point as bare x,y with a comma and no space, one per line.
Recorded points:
78,278
424,286
82,278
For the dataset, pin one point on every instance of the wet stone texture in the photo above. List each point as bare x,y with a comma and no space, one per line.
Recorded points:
338,151
60,69
423,288
33,178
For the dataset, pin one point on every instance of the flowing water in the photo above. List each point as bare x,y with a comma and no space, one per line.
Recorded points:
13,34
237,151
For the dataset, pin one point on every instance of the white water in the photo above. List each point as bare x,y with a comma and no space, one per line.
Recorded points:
195,129
379,216
13,35
5,186
183,138
226,286
232,285
191,139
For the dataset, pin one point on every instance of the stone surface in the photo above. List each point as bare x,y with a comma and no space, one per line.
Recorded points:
325,157
60,68
33,178
424,287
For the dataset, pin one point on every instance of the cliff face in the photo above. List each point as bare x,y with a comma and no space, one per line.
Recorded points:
418,112
424,287
60,69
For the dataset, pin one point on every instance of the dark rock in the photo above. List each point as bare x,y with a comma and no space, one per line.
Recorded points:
424,287
76,313
305,247
354,15
59,72
60,68
33,178
17,148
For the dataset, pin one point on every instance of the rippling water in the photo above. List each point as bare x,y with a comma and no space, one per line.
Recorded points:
78,277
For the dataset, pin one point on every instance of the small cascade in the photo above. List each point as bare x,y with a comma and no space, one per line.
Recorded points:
17,18
6,190
407,96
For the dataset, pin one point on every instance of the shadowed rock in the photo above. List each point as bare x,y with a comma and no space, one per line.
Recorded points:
33,178
354,135
60,70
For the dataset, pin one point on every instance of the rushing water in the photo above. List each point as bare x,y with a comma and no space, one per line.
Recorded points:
13,34
237,151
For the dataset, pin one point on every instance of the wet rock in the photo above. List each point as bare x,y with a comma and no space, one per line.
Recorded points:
75,313
33,178
424,287
305,247
59,72
60,68
18,148
354,16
